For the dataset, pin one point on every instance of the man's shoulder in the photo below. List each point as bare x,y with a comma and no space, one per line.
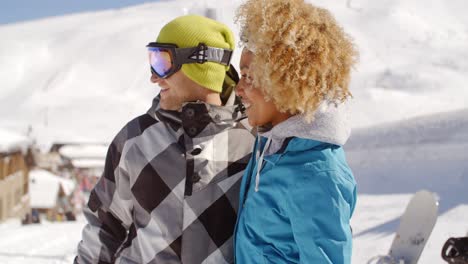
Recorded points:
134,128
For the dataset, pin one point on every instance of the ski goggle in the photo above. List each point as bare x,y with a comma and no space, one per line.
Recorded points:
167,59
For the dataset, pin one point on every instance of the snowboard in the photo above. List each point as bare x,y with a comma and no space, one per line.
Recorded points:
416,225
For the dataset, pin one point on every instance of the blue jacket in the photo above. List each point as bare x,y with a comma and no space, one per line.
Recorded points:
298,208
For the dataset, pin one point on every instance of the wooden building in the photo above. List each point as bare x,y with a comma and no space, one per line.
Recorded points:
15,159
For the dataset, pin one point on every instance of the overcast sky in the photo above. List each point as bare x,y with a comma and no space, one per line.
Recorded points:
12,11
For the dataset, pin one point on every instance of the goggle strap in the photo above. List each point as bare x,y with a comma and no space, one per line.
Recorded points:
218,55
202,54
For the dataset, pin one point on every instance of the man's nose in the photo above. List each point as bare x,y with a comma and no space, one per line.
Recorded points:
154,78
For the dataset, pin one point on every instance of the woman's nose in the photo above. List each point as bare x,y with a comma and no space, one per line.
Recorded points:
240,89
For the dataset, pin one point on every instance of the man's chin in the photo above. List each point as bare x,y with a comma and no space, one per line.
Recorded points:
168,107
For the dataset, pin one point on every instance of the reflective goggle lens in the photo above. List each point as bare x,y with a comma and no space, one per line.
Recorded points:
160,61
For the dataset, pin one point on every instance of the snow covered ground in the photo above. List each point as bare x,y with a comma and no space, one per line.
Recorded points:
45,243
394,160
82,77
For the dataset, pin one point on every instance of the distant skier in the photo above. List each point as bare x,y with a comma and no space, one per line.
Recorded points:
298,193
169,191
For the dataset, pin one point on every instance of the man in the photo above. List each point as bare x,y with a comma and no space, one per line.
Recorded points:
169,191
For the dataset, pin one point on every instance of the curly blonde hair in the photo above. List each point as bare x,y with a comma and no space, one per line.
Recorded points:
302,56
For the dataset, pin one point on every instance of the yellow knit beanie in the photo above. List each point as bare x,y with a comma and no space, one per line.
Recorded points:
189,31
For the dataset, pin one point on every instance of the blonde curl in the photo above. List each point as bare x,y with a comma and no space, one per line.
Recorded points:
302,56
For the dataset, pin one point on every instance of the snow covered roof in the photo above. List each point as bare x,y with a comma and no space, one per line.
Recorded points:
87,151
88,163
44,188
10,141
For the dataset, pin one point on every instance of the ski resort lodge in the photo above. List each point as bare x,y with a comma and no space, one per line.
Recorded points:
14,171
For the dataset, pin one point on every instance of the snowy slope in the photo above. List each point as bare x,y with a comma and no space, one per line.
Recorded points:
428,152
412,57
82,77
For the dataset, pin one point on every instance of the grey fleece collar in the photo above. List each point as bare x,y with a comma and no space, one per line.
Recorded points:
330,125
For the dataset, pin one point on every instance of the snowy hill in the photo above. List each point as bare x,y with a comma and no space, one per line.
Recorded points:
427,152
440,128
82,77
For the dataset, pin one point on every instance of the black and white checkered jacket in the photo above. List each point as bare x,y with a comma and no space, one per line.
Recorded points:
169,191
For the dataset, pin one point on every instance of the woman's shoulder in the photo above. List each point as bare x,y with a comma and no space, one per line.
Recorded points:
314,158
309,152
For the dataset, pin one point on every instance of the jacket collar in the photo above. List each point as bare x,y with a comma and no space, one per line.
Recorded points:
196,116
330,125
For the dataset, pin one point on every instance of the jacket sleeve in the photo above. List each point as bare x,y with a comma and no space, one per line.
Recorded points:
108,213
320,208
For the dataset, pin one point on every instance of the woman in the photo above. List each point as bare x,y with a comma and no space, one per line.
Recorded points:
298,193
